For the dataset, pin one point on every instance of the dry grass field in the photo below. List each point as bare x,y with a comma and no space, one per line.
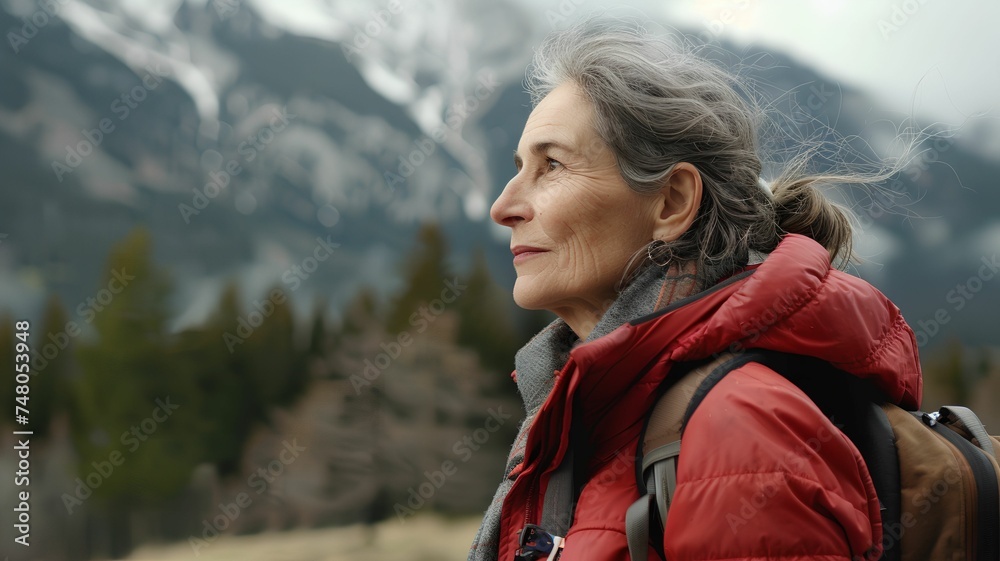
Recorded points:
422,538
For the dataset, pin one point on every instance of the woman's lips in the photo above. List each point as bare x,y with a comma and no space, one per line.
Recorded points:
524,252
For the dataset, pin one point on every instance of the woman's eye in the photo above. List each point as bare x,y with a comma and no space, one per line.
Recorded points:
552,163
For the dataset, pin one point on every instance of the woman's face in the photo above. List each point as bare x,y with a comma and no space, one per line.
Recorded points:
574,222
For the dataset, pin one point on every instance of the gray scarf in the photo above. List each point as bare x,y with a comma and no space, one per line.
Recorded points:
536,363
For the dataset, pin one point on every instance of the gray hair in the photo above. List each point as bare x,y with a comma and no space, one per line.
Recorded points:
657,104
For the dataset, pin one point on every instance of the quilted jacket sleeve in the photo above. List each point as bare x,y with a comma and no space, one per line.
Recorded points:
763,474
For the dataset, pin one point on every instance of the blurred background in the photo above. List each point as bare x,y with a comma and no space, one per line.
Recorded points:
269,315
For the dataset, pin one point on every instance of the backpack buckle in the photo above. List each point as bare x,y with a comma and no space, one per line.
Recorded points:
535,543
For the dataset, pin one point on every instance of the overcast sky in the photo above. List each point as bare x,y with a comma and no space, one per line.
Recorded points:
941,58
932,59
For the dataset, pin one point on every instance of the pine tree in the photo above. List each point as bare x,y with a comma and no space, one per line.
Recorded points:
319,335
218,364
485,325
362,314
424,277
277,370
7,364
130,401
49,393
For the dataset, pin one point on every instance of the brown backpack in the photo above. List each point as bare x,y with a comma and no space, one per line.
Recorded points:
936,474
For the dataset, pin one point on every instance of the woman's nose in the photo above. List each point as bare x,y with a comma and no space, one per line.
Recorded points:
510,207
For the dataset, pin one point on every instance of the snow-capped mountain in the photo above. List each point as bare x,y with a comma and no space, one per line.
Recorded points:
240,131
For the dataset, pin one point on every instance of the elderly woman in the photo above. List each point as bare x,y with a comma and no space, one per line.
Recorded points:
638,217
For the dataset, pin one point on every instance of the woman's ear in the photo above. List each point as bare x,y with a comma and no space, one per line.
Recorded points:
680,199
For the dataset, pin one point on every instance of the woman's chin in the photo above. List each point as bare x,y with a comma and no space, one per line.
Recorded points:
526,296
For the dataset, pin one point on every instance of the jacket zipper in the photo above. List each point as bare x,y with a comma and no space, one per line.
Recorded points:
530,502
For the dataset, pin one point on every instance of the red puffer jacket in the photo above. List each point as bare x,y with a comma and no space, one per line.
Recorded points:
763,473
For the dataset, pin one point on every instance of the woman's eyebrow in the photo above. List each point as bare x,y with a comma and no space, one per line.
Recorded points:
540,147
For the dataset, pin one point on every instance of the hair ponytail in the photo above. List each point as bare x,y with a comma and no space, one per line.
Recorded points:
800,205
801,208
